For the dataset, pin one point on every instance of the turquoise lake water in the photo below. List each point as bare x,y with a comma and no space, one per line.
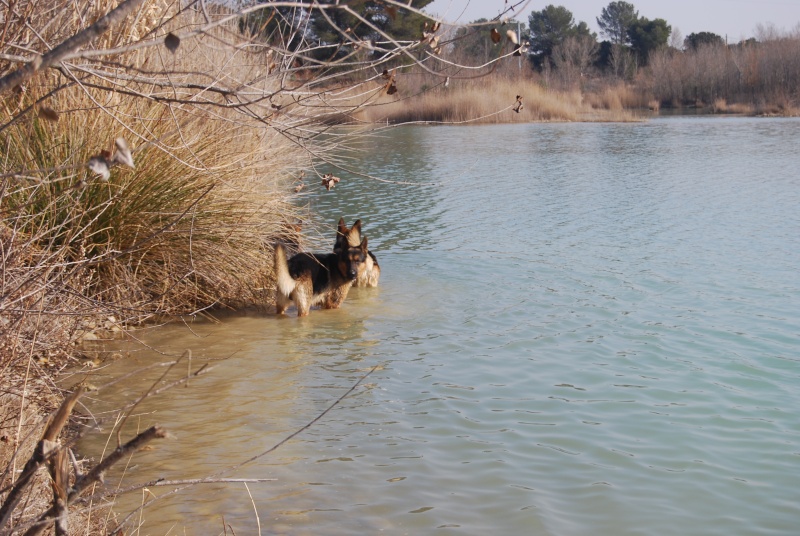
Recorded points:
581,329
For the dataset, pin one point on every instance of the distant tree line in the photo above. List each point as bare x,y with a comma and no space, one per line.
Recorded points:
764,74
701,68
566,53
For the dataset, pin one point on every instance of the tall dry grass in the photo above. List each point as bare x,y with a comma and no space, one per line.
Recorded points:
617,95
184,230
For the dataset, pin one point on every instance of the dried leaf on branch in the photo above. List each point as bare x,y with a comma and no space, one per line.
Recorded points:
518,104
48,114
329,181
172,42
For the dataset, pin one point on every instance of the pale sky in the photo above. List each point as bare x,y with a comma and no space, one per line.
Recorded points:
736,19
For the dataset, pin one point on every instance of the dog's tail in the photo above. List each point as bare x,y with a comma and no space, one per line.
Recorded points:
282,278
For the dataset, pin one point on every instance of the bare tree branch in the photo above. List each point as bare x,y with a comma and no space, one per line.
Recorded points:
26,72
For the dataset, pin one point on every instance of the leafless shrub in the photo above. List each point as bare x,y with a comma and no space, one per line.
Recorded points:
750,73
572,59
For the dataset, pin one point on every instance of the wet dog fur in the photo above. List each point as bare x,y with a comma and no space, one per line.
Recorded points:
352,237
323,279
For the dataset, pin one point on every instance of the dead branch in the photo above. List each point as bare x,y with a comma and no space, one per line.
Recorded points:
45,449
57,456
97,473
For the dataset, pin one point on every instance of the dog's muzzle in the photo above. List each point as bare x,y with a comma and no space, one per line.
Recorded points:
353,274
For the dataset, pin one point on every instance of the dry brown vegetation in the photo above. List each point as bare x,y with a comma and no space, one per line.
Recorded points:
751,77
758,77
493,100
185,228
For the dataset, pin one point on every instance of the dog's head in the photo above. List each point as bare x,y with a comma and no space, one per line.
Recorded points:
352,259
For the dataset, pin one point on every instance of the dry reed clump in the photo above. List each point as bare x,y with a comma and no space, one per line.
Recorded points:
606,99
620,96
721,106
493,100
181,231
490,101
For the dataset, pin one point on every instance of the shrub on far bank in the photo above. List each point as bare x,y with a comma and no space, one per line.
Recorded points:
491,100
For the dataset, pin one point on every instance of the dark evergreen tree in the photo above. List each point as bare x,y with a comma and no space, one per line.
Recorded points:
696,40
603,56
615,20
475,42
648,35
378,18
550,27
330,32
281,25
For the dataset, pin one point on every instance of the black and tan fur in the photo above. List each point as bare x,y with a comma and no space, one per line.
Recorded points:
310,279
352,237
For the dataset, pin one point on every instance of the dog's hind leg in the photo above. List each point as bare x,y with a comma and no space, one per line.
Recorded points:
284,284
282,302
303,294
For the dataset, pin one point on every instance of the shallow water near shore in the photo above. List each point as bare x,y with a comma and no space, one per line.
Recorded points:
580,329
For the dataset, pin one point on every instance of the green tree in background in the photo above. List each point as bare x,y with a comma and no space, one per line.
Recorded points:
647,36
401,25
615,20
474,42
551,27
288,26
696,40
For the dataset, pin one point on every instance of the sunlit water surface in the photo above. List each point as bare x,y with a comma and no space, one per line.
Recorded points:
580,329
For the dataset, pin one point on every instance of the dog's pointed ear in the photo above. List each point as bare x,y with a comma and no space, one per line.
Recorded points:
357,226
364,244
342,230
341,235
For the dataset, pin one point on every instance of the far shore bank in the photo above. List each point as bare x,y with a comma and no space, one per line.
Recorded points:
507,100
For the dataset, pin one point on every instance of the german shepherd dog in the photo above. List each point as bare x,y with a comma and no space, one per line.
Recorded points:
309,279
352,237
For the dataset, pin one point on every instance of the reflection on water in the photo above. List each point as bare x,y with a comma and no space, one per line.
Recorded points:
580,329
